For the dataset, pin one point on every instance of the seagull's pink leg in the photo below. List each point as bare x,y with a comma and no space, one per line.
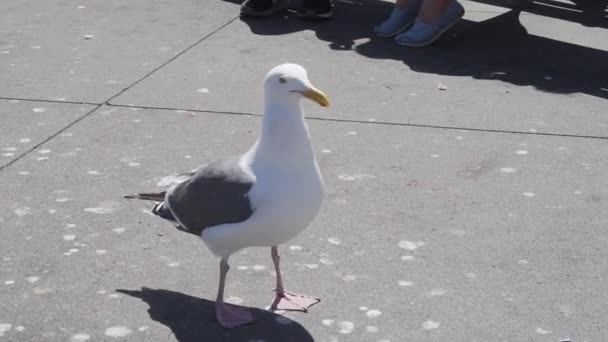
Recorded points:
285,300
229,316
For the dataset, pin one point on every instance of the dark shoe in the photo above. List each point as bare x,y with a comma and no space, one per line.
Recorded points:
262,8
316,9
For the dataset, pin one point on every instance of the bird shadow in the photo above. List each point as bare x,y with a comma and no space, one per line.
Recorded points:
499,48
192,319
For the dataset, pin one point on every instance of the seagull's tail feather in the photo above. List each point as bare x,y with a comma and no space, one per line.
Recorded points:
160,209
150,196
163,211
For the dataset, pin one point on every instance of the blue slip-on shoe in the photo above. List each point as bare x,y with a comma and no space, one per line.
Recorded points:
399,20
423,34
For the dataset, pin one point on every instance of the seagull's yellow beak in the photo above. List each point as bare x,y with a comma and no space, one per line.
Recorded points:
316,95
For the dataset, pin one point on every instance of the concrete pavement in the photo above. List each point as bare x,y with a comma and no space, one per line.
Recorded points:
466,186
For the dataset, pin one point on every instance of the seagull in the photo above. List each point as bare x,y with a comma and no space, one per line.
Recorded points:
262,198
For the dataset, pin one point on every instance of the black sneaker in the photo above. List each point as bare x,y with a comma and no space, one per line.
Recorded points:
316,9
262,8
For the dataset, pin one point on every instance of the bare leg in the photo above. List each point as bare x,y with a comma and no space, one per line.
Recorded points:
229,316
432,10
285,300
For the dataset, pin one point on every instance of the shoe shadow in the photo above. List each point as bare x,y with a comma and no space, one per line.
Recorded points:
192,319
501,48
591,13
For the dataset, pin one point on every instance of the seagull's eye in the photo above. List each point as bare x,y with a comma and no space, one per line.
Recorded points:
282,79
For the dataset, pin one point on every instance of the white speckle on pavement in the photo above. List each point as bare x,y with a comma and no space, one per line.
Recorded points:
409,245
371,329
334,240
436,292
22,211
104,208
42,290
373,313
80,337
346,327
328,322
234,300
32,279
430,325
346,177
69,237
325,261
542,331
349,277
117,331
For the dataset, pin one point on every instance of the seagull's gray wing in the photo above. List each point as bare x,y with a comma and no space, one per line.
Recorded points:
214,195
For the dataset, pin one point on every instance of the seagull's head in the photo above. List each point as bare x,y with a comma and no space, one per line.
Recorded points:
290,81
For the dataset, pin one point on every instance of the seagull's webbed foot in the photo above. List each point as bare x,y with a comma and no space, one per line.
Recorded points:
290,301
230,316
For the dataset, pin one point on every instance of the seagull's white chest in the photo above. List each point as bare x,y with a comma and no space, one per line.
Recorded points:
289,200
